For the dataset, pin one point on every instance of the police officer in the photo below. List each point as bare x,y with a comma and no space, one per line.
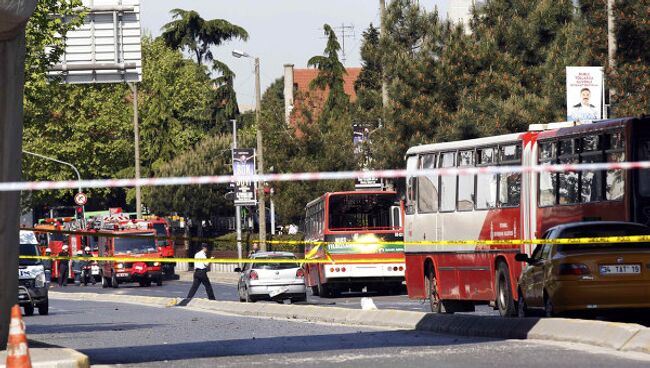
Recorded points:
201,274
64,267
47,265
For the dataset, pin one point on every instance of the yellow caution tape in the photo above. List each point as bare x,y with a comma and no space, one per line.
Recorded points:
222,260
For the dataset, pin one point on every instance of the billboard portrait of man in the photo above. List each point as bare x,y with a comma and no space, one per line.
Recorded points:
584,110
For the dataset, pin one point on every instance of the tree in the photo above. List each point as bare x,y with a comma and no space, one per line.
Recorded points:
330,75
189,31
368,85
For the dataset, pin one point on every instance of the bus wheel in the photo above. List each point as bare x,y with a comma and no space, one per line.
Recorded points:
104,281
505,302
114,282
324,291
432,291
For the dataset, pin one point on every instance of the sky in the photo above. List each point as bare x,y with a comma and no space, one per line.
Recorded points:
280,31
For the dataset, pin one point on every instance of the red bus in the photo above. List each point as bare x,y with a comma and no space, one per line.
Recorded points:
360,216
512,205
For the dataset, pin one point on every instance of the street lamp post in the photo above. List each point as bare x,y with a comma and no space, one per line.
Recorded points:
58,161
260,150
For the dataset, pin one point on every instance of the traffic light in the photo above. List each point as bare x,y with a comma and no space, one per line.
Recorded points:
79,212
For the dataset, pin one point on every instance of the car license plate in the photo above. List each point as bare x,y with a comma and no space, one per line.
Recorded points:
620,269
277,291
123,274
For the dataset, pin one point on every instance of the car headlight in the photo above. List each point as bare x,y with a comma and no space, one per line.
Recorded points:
156,264
120,265
39,281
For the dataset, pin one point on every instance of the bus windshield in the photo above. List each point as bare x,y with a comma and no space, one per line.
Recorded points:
352,212
136,245
161,233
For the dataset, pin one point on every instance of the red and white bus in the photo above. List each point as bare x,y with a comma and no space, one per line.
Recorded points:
512,205
360,216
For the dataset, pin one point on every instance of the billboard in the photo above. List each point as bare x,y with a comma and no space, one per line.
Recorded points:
243,164
584,93
106,48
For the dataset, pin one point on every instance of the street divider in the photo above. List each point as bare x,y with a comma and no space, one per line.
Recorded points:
616,336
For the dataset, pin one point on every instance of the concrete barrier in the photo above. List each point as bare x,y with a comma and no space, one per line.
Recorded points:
617,336
53,358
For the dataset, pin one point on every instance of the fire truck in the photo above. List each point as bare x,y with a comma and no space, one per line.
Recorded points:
52,236
118,236
164,239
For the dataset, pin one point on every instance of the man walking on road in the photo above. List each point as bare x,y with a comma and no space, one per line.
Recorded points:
201,274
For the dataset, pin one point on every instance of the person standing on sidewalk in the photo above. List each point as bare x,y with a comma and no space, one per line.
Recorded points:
64,266
201,274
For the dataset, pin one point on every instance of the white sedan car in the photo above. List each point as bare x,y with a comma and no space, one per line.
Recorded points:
274,281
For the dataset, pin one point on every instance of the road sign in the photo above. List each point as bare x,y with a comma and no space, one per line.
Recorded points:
80,199
106,48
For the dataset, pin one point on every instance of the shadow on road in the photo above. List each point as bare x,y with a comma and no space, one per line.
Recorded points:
35,329
271,345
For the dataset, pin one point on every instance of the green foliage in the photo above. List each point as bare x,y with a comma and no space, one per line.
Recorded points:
190,31
330,75
211,156
45,39
368,85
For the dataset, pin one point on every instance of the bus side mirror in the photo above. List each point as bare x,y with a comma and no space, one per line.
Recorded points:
522,257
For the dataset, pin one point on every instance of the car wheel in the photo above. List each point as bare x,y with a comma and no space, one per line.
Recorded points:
44,308
29,309
104,281
324,291
241,298
548,306
504,301
431,284
114,282
159,281
147,283
522,307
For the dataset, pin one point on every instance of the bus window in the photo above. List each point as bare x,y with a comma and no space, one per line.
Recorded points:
615,181
427,186
510,183
411,185
568,181
447,183
591,182
547,181
465,182
486,184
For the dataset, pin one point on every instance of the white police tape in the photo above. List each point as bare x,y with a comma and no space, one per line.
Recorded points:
313,176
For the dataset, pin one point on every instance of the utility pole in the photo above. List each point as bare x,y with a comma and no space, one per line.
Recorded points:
136,134
260,159
611,50
237,208
382,32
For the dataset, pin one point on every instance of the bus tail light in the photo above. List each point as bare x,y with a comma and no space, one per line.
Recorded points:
253,276
401,268
331,269
342,269
300,273
573,269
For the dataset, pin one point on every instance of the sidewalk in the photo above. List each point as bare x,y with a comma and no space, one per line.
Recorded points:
215,276
52,357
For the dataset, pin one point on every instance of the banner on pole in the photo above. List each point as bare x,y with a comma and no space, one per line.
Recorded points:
584,93
243,164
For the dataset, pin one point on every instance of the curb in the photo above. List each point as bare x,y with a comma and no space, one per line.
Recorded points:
53,358
617,336
217,277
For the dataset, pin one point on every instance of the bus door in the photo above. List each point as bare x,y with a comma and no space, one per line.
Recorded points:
614,145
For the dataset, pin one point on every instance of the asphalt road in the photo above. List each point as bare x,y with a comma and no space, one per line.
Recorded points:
113,333
179,289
